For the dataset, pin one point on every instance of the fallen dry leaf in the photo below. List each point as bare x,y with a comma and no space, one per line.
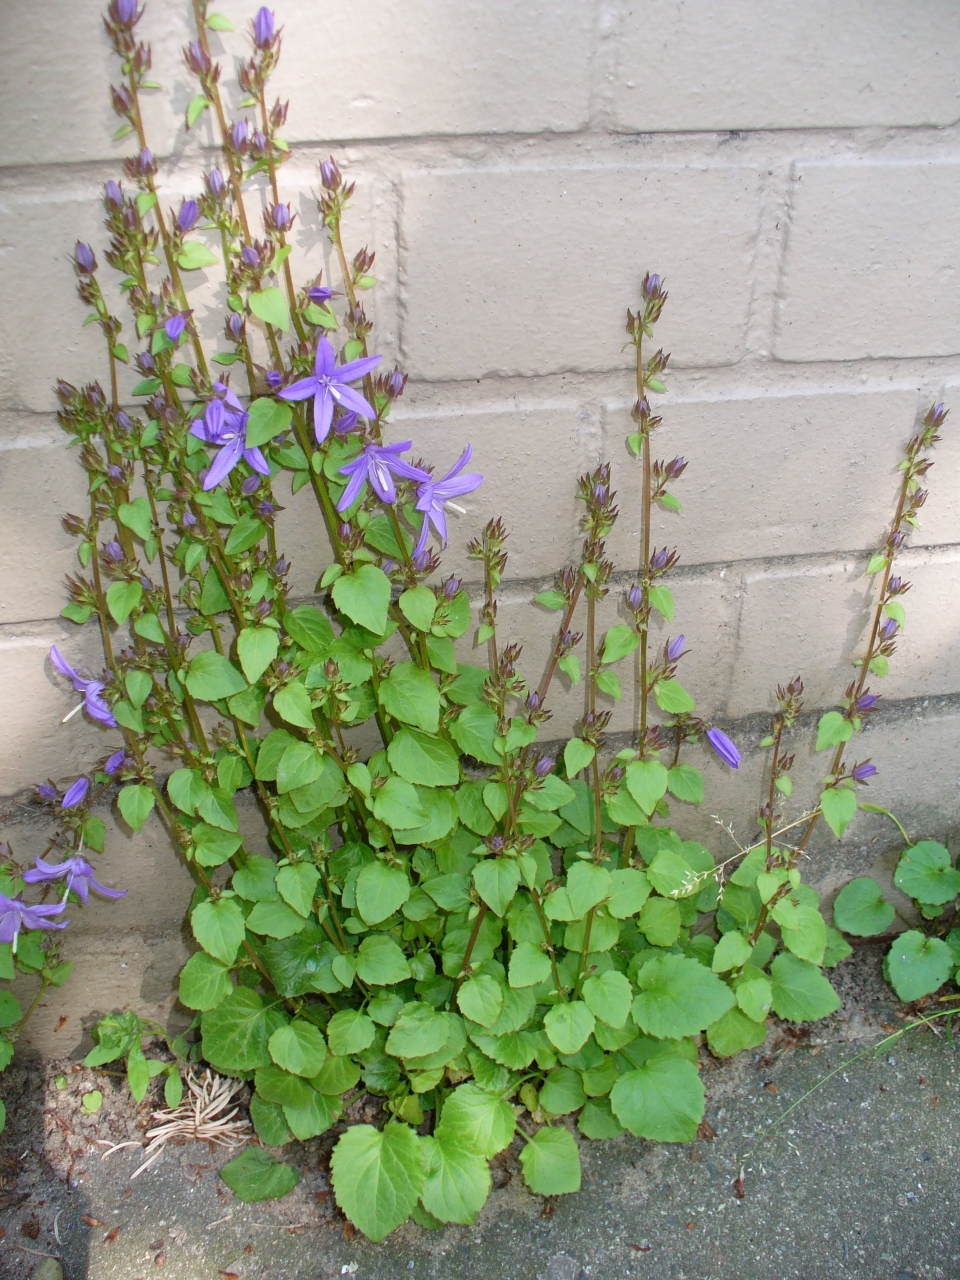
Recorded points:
31,1228
705,1131
160,1260
61,1022
229,1275
349,1232
738,1187
92,1222
936,1101
771,1087
111,1236
638,1248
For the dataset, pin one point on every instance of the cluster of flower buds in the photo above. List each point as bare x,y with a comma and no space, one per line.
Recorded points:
336,193
592,727
654,298
601,512
490,549
665,473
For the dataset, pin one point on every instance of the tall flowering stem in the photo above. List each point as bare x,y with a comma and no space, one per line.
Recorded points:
888,616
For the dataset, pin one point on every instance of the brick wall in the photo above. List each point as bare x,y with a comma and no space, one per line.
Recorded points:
792,170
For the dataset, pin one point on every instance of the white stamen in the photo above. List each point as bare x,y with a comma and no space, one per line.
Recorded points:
71,714
452,506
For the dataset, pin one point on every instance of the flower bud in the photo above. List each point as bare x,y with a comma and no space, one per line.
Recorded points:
189,519
346,422
533,701
319,294
250,485
76,793
724,747
675,649
123,421
635,597
861,772
112,194
281,567
543,766
115,472
215,183
188,216
113,550
396,383
85,259
451,587
330,174
174,327
651,285
115,763
126,11
235,326
279,217
266,508
196,58
47,792
263,28
273,379
250,255
240,134
145,363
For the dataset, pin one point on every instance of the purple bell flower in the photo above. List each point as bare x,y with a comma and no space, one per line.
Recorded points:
867,701
79,877
115,763
329,385
319,294
861,772
225,425
92,690
378,464
76,794
725,749
16,915
433,494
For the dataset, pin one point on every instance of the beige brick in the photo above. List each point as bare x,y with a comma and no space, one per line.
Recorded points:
867,270
770,474
36,745
40,480
57,68
392,69
770,65
530,271
530,455
110,972
814,621
927,660
45,339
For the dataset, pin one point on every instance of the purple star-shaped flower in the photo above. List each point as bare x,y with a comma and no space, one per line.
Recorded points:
79,876
92,690
432,495
725,749
329,386
378,464
16,915
225,425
